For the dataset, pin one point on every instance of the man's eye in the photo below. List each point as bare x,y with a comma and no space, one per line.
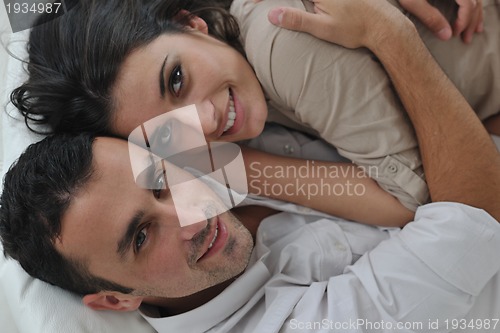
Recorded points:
140,238
166,133
159,185
175,81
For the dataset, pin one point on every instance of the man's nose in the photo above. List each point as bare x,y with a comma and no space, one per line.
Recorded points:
189,231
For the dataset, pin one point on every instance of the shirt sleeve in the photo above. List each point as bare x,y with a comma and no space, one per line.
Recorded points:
429,273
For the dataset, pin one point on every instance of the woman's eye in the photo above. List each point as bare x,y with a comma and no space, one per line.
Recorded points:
176,80
141,238
159,185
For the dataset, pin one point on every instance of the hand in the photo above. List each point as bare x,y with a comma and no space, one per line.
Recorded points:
350,23
469,19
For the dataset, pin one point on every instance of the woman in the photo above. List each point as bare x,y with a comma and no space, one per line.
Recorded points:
108,67
346,97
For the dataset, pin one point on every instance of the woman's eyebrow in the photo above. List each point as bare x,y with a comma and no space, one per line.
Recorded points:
162,77
126,241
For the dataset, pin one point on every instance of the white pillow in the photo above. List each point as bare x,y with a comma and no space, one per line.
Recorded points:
28,305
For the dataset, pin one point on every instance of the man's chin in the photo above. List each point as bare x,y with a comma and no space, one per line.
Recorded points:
180,304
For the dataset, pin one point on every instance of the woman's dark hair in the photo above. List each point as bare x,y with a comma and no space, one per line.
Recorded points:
37,191
74,59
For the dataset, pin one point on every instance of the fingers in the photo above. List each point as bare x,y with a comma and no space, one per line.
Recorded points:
294,19
469,19
351,24
318,24
430,16
465,14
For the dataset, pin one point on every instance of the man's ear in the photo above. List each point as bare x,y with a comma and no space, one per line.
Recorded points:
106,300
194,22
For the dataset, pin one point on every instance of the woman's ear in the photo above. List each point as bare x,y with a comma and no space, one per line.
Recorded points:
112,301
194,22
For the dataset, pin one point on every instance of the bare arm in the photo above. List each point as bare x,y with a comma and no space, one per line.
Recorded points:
460,160
339,189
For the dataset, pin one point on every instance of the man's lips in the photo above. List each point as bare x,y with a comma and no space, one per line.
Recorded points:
216,238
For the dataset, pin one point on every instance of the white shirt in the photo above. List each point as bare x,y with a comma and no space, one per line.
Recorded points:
439,268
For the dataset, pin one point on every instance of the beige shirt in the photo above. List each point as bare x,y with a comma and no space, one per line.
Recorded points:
345,97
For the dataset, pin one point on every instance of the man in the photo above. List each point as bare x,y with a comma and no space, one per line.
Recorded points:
433,270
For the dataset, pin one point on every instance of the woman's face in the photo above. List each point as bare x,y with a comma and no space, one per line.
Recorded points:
180,69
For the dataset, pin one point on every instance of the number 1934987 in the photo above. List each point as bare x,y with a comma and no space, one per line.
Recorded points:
34,8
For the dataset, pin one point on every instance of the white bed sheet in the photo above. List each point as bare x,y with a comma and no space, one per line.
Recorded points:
4,33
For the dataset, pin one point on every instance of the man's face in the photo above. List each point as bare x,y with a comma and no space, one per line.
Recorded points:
131,235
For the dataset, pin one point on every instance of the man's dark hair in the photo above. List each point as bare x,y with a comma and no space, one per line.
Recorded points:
37,191
74,59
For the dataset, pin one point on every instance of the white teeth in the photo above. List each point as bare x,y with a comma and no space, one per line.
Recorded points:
215,237
229,124
231,114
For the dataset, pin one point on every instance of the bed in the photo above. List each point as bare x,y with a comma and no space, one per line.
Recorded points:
26,304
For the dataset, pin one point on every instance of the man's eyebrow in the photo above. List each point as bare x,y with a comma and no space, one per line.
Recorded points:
126,241
162,77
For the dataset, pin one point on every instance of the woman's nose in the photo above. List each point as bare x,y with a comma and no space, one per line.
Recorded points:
208,117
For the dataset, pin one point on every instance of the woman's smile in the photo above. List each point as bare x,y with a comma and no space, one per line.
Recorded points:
194,68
